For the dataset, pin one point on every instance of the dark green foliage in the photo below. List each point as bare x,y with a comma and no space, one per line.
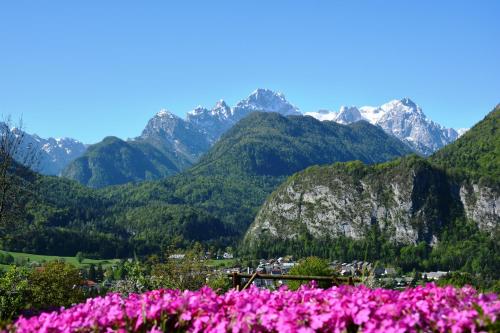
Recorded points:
114,161
476,153
14,292
53,285
156,226
65,218
458,279
412,257
310,266
250,160
464,247
46,287
268,144
6,258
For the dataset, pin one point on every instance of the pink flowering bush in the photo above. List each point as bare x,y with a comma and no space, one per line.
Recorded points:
338,309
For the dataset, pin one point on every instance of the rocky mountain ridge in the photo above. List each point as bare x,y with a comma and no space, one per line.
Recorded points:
52,155
184,141
409,200
175,141
402,118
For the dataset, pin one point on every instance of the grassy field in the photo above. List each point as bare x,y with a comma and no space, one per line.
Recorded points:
72,260
105,262
221,262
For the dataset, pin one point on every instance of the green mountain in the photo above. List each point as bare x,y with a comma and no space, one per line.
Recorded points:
63,217
395,209
213,202
269,144
233,179
477,152
114,161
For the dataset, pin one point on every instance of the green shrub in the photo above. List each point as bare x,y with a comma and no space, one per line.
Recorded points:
312,266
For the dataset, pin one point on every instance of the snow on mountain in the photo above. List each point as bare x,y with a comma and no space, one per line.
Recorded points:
371,113
402,118
174,134
214,122
348,115
52,155
323,115
202,127
221,110
265,100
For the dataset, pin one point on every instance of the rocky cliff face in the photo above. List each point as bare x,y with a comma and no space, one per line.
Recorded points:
216,121
171,133
481,204
212,122
409,200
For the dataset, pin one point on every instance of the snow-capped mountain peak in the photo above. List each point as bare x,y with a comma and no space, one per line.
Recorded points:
164,122
348,114
461,131
221,109
197,111
52,154
323,115
264,100
404,105
221,104
402,118
164,113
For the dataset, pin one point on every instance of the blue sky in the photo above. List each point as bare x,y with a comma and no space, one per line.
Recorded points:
89,69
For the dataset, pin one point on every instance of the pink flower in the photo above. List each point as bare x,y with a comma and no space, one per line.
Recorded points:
309,309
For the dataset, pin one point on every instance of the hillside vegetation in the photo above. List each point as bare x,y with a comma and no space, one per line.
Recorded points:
476,153
439,213
213,202
114,161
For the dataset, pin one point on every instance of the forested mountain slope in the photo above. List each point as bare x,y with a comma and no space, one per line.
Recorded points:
114,161
233,179
394,204
214,201
477,152
269,144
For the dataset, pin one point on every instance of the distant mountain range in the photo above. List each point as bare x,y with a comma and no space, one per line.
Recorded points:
169,144
214,200
402,118
178,142
383,206
52,154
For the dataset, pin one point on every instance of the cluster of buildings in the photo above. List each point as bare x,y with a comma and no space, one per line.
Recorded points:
361,268
356,268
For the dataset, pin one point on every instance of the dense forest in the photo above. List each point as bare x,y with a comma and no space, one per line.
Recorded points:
477,153
215,201
460,245
114,161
